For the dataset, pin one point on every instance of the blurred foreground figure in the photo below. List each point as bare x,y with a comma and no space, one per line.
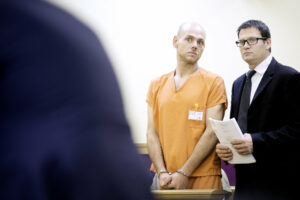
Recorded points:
63,133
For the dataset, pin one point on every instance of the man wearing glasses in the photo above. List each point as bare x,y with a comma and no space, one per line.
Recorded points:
265,102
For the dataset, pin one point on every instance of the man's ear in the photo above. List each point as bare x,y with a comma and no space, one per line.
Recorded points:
175,41
269,42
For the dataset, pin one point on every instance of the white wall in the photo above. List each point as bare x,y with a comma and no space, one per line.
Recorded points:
138,37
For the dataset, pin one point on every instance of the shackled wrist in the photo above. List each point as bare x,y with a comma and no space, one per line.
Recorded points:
182,172
161,172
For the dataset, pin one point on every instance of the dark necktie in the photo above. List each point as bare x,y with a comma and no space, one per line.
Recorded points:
245,102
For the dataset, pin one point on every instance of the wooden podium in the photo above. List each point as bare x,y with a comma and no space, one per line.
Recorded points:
191,194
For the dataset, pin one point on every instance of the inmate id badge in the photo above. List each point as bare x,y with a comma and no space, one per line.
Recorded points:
195,115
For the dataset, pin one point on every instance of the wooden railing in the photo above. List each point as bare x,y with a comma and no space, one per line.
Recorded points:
192,194
142,148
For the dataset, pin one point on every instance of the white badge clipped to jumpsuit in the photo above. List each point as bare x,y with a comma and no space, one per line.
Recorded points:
195,114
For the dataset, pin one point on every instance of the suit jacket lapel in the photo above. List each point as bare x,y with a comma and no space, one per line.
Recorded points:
265,79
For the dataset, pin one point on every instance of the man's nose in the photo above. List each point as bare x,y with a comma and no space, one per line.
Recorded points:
194,45
246,45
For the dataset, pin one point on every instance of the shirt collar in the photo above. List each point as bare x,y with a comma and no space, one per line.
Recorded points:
263,66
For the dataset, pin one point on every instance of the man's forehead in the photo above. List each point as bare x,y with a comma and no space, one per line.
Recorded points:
248,32
193,29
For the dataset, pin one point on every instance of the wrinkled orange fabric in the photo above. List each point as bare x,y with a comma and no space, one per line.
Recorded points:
205,182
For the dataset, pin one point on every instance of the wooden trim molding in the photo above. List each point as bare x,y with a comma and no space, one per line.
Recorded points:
191,194
142,148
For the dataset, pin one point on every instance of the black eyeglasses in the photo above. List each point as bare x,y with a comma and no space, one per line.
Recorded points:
250,41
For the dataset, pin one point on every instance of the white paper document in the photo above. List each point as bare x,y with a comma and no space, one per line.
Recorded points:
227,131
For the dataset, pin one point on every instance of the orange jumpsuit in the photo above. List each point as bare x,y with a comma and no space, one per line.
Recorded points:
179,135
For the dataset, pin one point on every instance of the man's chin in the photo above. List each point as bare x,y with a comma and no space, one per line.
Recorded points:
192,61
247,59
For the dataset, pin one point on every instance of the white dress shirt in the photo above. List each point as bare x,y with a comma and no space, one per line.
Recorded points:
256,78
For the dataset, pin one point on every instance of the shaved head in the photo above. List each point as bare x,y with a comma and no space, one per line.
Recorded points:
189,42
188,25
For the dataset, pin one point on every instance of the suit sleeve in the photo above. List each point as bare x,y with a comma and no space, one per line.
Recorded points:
288,135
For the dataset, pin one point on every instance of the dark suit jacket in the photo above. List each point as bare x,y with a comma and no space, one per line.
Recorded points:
273,122
63,132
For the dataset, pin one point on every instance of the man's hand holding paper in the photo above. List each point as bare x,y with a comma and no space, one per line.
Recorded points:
224,152
234,147
244,146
